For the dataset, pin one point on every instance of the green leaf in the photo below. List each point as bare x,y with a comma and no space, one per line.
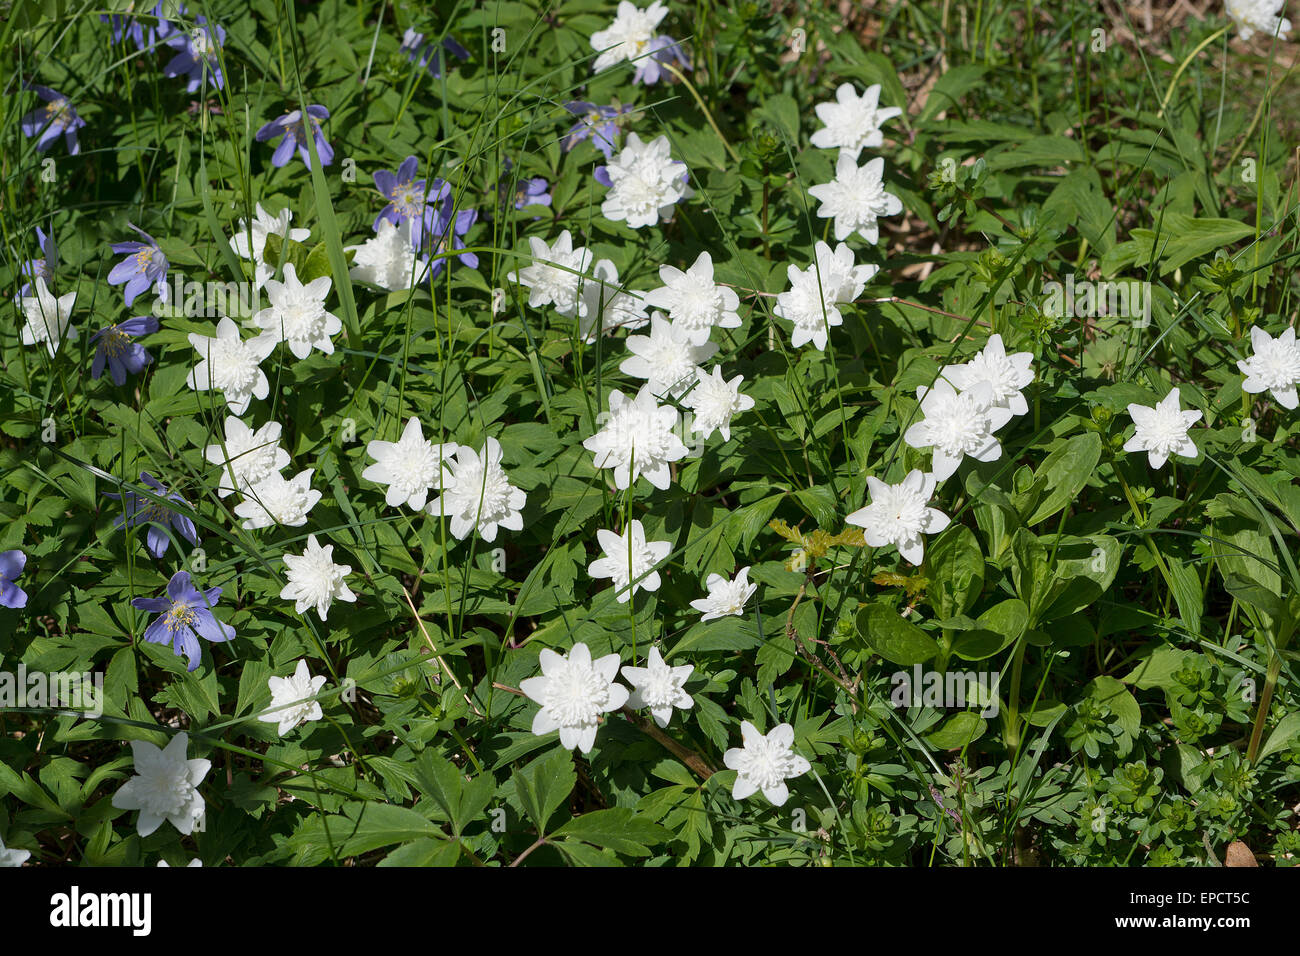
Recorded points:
893,638
958,731
956,571
618,828
544,784
997,628
1063,473
1283,735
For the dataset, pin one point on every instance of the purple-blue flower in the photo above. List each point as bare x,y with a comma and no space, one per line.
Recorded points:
597,123
409,199
114,348
11,567
184,616
137,509
291,126
144,32
44,267
450,227
56,118
143,268
426,55
663,50
198,54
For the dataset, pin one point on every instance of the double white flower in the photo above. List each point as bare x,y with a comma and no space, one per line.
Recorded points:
645,183
478,494
1161,431
815,294
638,438
856,198
900,515
629,560
957,424
411,467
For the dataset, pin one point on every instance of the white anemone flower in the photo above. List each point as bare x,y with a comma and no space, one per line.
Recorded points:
248,456
411,467
852,122
277,500
314,580
293,699
1005,374
388,259
556,275
1261,15
297,315
629,36
606,307
629,559
856,198
659,687
639,437
11,857
48,317
264,224
1274,367
957,425
714,402
230,365
1161,431
764,762
574,691
727,596
165,786
667,358
645,183
900,515
694,301
478,494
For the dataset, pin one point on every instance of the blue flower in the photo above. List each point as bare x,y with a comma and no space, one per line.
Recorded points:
450,227
113,346
137,509
198,54
409,199
425,55
184,616
650,67
41,268
598,123
294,131
11,568
57,117
144,36
143,268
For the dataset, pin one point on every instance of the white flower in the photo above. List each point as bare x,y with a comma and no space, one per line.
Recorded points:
165,786
1162,430
264,224
957,425
816,292
900,515
658,687
628,37
388,259
645,183
1274,367
479,494
277,500
193,863
297,314
603,300
715,402
574,691
47,317
556,275
726,596
314,580
292,700
666,358
638,439
856,197
852,121
1262,15
248,456
629,556
10,857
230,365
694,301
764,762
411,466
1005,374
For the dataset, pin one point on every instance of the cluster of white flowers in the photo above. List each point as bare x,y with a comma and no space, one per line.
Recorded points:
1262,15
